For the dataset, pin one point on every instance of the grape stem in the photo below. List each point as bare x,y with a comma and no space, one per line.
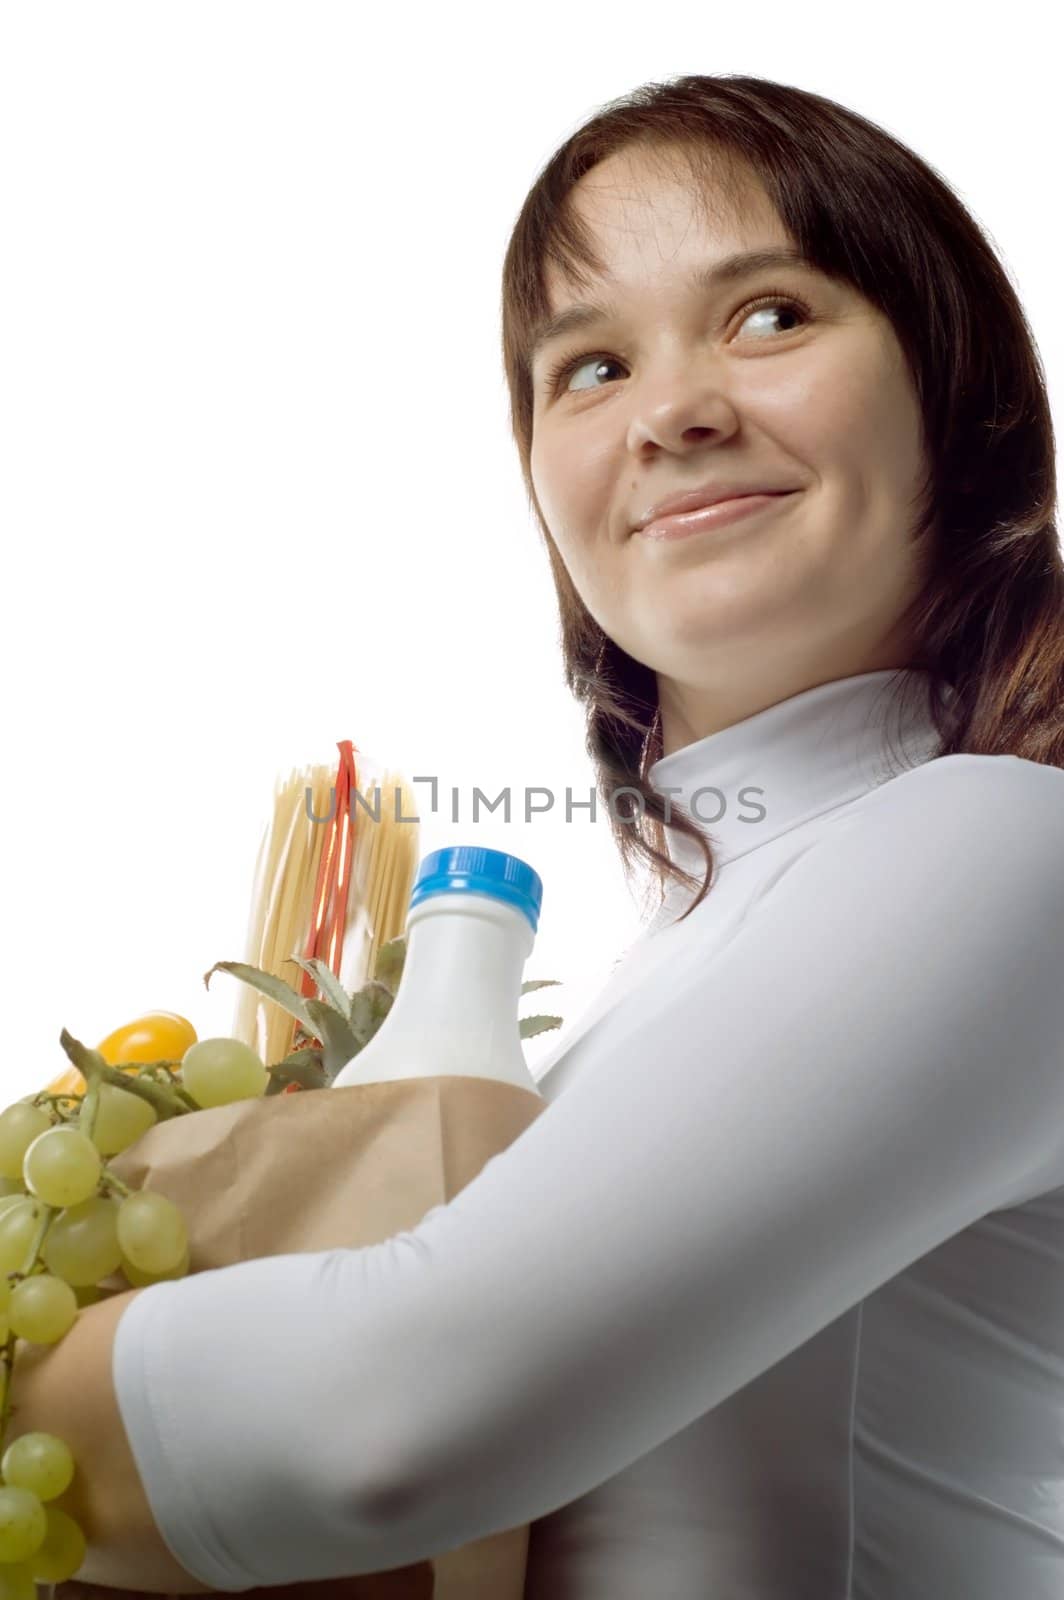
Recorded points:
111,1180
166,1101
7,1410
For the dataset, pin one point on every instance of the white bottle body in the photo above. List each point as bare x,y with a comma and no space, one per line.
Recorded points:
456,1010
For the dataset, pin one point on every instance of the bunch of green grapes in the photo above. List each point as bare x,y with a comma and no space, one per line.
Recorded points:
67,1222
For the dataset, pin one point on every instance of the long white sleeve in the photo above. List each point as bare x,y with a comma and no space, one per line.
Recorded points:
760,1135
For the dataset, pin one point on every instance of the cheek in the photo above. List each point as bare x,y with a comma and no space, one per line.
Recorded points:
573,470
595,572
597,582
848,411
588,571
578,498
868,419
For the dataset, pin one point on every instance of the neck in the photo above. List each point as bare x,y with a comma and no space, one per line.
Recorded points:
693,712
814,752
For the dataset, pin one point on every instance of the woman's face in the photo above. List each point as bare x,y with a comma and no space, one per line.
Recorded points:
688,385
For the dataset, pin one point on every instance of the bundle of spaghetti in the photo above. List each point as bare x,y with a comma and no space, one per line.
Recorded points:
321,840
385,865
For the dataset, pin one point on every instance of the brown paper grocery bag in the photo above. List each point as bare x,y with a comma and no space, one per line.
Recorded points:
319,1170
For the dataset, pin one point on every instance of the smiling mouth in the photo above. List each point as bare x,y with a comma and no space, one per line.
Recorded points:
705,518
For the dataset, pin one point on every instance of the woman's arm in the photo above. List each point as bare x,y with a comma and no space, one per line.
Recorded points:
67,1389
755,1142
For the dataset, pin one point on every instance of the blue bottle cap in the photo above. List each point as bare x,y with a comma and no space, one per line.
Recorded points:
470,869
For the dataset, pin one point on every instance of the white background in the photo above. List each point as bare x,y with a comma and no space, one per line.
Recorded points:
257,488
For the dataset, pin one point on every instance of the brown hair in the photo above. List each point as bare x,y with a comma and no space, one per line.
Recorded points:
862,208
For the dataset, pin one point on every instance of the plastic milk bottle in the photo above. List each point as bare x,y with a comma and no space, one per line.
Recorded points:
470,929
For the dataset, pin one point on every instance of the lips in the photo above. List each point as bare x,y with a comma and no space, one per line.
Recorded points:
708,495
715,510
705,519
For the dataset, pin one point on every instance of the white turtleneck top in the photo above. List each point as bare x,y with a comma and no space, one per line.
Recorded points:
768,1303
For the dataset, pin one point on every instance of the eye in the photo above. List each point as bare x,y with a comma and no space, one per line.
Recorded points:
573,360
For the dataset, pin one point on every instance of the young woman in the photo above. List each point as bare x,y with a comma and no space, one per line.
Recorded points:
770,1300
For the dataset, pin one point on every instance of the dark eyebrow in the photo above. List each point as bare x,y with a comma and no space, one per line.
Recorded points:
727,270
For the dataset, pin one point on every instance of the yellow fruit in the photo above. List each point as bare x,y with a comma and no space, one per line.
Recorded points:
156,1036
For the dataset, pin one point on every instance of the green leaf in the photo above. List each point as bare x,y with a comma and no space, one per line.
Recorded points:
335,1034
530,1026
329,984
390,960
300,1066
275,989
538,983
381,999
363,1022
